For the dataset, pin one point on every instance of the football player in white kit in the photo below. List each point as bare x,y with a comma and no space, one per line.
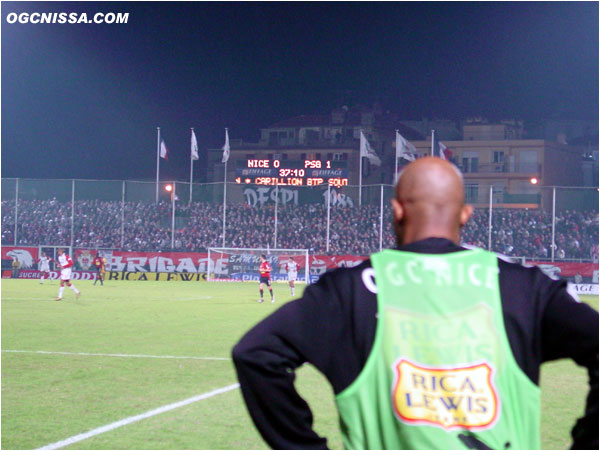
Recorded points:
64,264
292,271
44,266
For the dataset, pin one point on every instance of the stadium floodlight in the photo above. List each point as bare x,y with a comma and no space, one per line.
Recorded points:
241,264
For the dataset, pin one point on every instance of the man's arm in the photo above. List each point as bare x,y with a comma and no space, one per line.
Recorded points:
265,360
570,330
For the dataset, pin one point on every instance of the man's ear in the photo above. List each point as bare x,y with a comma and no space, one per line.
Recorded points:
397,211
465,214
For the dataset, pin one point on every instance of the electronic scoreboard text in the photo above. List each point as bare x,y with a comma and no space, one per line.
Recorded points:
294,173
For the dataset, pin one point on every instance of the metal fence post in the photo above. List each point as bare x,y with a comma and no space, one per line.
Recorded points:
72,212
16,210
553,220
123,215
381,220
328,216
173,216
490,220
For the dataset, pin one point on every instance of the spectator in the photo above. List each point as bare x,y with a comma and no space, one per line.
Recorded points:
353,229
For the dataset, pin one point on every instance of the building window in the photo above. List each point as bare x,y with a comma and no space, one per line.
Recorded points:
498,159
528,161
470,164
273,138
472,194
312,136
338,156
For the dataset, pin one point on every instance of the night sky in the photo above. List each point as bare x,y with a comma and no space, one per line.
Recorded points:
84,101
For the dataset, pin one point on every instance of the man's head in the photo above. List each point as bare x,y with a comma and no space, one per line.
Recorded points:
429,201
60,251
263,258
43,254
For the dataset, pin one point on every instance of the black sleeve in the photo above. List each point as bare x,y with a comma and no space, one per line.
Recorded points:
265,360
570,330
332,327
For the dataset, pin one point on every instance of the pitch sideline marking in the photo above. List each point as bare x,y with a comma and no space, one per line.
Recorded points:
138,356
136,418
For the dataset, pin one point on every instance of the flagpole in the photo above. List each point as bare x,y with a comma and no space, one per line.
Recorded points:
224,194
276,205
191,170
157,159
224,200
360,170
432,141
328,215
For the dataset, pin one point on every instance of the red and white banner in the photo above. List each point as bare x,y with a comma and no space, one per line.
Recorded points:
568,269
197,262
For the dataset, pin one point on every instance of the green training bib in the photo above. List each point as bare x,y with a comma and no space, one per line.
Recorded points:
441,373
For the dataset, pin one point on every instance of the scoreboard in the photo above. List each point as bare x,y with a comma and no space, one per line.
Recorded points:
294,173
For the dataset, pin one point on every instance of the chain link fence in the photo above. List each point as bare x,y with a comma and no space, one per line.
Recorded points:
540,223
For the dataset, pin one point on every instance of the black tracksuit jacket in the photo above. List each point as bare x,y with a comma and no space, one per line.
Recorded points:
333,327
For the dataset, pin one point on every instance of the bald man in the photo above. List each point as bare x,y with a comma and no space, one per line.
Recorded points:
428,346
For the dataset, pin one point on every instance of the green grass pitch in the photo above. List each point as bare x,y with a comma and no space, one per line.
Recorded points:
49,397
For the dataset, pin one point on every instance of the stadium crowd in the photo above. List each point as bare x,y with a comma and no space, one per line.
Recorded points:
353,230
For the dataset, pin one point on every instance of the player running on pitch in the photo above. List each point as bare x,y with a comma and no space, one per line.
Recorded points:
291,268
265,277
44,266
64,264
100,264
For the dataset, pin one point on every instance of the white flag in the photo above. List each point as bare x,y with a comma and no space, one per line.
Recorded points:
367,151
445,153
226,148
404,149
163,150
195,155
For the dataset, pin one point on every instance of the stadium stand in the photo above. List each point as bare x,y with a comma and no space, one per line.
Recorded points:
353,230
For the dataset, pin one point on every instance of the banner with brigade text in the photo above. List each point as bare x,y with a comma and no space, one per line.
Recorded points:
197,263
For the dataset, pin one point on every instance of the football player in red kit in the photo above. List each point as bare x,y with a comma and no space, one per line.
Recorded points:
265,277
